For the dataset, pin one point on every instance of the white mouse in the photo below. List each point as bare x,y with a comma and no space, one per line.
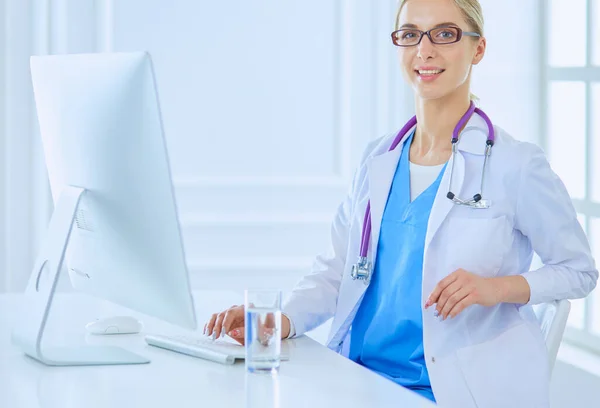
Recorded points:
115,325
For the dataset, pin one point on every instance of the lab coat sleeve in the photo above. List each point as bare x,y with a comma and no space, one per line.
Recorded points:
292,332
545,214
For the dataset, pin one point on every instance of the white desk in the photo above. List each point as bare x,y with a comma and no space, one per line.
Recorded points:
314,377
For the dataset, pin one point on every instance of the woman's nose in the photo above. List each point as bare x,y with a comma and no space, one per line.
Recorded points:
426,48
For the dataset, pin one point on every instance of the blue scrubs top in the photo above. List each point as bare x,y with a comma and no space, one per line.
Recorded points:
387,332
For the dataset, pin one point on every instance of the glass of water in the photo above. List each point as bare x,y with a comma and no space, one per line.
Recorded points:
263,330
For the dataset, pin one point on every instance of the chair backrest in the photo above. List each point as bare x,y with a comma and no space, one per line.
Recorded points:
552,317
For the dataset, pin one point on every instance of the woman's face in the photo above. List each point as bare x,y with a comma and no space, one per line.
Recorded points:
451,62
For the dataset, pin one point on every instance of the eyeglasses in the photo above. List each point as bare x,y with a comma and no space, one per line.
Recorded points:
409,37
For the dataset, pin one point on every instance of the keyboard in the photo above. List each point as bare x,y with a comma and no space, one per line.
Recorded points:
219,350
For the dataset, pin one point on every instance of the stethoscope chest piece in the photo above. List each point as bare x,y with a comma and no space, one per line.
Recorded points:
362,270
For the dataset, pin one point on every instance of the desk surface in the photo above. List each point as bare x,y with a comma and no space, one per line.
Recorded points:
313,377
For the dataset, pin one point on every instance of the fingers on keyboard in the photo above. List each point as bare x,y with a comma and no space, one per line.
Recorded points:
211,324
219,325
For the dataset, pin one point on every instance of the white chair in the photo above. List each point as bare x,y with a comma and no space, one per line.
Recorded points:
552,317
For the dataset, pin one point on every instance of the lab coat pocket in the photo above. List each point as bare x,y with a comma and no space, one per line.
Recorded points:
477,245
509,370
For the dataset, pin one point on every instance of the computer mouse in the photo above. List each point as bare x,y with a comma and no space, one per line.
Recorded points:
115,325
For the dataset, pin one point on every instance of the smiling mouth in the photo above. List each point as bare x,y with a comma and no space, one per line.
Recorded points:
429,72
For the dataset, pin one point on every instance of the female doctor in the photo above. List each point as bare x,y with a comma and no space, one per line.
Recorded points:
427,278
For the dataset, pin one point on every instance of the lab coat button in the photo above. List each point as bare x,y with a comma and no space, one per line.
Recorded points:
433,359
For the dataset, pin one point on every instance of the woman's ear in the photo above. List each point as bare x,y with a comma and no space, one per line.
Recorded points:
479,51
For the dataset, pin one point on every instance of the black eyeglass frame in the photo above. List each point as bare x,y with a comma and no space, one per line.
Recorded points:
459,36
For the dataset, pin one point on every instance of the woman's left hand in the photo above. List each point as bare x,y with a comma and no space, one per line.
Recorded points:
461,289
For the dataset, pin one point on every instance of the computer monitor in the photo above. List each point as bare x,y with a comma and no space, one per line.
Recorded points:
115,224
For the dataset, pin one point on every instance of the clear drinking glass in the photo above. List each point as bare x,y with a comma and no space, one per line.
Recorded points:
263,330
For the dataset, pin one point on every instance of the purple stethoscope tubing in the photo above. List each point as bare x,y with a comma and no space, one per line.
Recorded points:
366,230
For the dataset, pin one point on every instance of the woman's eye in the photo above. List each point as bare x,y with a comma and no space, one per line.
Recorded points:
446,34
408,35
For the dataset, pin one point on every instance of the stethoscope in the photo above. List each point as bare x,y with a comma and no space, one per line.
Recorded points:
362,269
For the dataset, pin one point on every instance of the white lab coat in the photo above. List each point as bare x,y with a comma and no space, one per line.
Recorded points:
486,356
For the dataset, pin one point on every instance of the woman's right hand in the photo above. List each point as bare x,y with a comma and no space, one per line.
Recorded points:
231,322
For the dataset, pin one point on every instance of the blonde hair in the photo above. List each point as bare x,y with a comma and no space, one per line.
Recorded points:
472,13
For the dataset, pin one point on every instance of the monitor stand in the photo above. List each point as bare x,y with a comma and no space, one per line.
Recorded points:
29,331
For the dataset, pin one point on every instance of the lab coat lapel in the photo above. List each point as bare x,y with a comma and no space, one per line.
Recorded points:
381,170
380,174
442,205
472,140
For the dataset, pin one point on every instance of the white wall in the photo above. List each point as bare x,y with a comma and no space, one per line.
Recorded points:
3,197
20,172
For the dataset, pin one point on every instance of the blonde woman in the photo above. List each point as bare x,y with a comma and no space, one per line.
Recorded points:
444,217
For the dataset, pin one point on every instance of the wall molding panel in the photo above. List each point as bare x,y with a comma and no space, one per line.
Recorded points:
104,25
18,224
3,152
